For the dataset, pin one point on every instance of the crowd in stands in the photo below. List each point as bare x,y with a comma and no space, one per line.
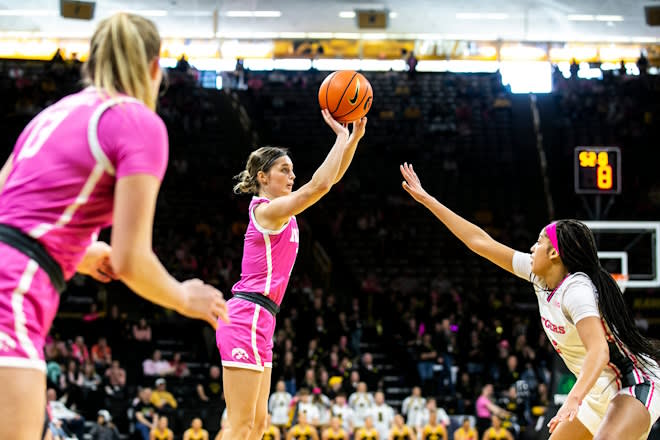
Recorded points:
410,334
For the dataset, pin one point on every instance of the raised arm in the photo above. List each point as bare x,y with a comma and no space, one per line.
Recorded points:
276,213
475,238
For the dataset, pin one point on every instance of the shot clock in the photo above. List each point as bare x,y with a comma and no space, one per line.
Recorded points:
597,170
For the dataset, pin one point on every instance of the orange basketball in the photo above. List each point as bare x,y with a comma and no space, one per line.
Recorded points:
347,94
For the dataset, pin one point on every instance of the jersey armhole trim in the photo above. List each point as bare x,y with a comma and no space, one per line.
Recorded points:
93,133
266,230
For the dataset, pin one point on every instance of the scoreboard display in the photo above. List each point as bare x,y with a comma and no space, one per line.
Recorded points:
597,170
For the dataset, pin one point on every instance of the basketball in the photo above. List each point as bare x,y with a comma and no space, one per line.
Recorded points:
347,94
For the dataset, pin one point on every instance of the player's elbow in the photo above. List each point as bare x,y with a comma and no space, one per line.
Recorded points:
126,262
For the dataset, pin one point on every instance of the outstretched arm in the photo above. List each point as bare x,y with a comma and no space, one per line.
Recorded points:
278,212
475,238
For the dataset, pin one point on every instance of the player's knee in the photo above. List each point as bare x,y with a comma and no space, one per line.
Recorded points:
242,427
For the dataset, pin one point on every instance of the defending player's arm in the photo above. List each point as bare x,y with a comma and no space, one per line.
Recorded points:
135,263
475,238
593,337
276,213
6,169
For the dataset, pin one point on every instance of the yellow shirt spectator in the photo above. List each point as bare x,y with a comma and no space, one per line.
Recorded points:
366,434
437,432
404,433
465,434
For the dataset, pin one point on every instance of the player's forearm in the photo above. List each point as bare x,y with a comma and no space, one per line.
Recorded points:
470,234
326,175
594,363
146,276
346,159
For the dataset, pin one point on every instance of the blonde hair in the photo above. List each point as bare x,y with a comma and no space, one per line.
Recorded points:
120,52
259,160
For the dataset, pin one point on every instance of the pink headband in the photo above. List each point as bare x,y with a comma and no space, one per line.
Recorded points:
551,232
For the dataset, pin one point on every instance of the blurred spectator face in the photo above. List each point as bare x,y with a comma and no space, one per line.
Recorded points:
512,363
368,422
145,395
72,366
335,423
280,387
177,357
51,395
310,376
102,343
367,359
334,359
214,372
162,423
288,358
487,390
157,355
319,322
355,377
302,419
379,398
323,377
466,423
433,417
80,341
114,312
197,424
445,325
143,323
417,391
89,368
426,339
340,400
362,387
115,365
496,422
343,341
431,405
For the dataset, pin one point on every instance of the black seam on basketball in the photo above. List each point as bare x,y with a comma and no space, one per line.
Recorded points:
332,76
357,106
342,95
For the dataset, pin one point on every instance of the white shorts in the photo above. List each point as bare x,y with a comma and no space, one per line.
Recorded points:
592,411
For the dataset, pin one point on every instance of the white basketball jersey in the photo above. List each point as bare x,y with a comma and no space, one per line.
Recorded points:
412,408
278,405
561,309
383,416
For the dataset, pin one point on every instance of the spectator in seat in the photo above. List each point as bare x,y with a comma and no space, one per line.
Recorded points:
278,405
116,381
79,350
104,429
161,431
156,365
211,398
369,373
162,399
178,366
101,354
196,431
145,413
61,415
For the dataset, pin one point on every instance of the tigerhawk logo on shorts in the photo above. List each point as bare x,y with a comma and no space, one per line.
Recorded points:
6,342
239,354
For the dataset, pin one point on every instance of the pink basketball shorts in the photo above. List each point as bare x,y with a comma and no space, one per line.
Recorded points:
28,304
247,341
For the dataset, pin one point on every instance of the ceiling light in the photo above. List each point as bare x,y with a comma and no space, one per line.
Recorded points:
347,14
26,13
468,16
293,35
609,18
394,14
320,35
268,14
376,36
581,17
259,14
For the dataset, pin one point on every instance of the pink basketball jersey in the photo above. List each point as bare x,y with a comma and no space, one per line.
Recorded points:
268,257
66,162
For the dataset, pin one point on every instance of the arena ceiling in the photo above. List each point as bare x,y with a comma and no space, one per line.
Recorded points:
517,20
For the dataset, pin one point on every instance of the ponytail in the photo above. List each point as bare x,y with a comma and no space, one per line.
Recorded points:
259,160
121,50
